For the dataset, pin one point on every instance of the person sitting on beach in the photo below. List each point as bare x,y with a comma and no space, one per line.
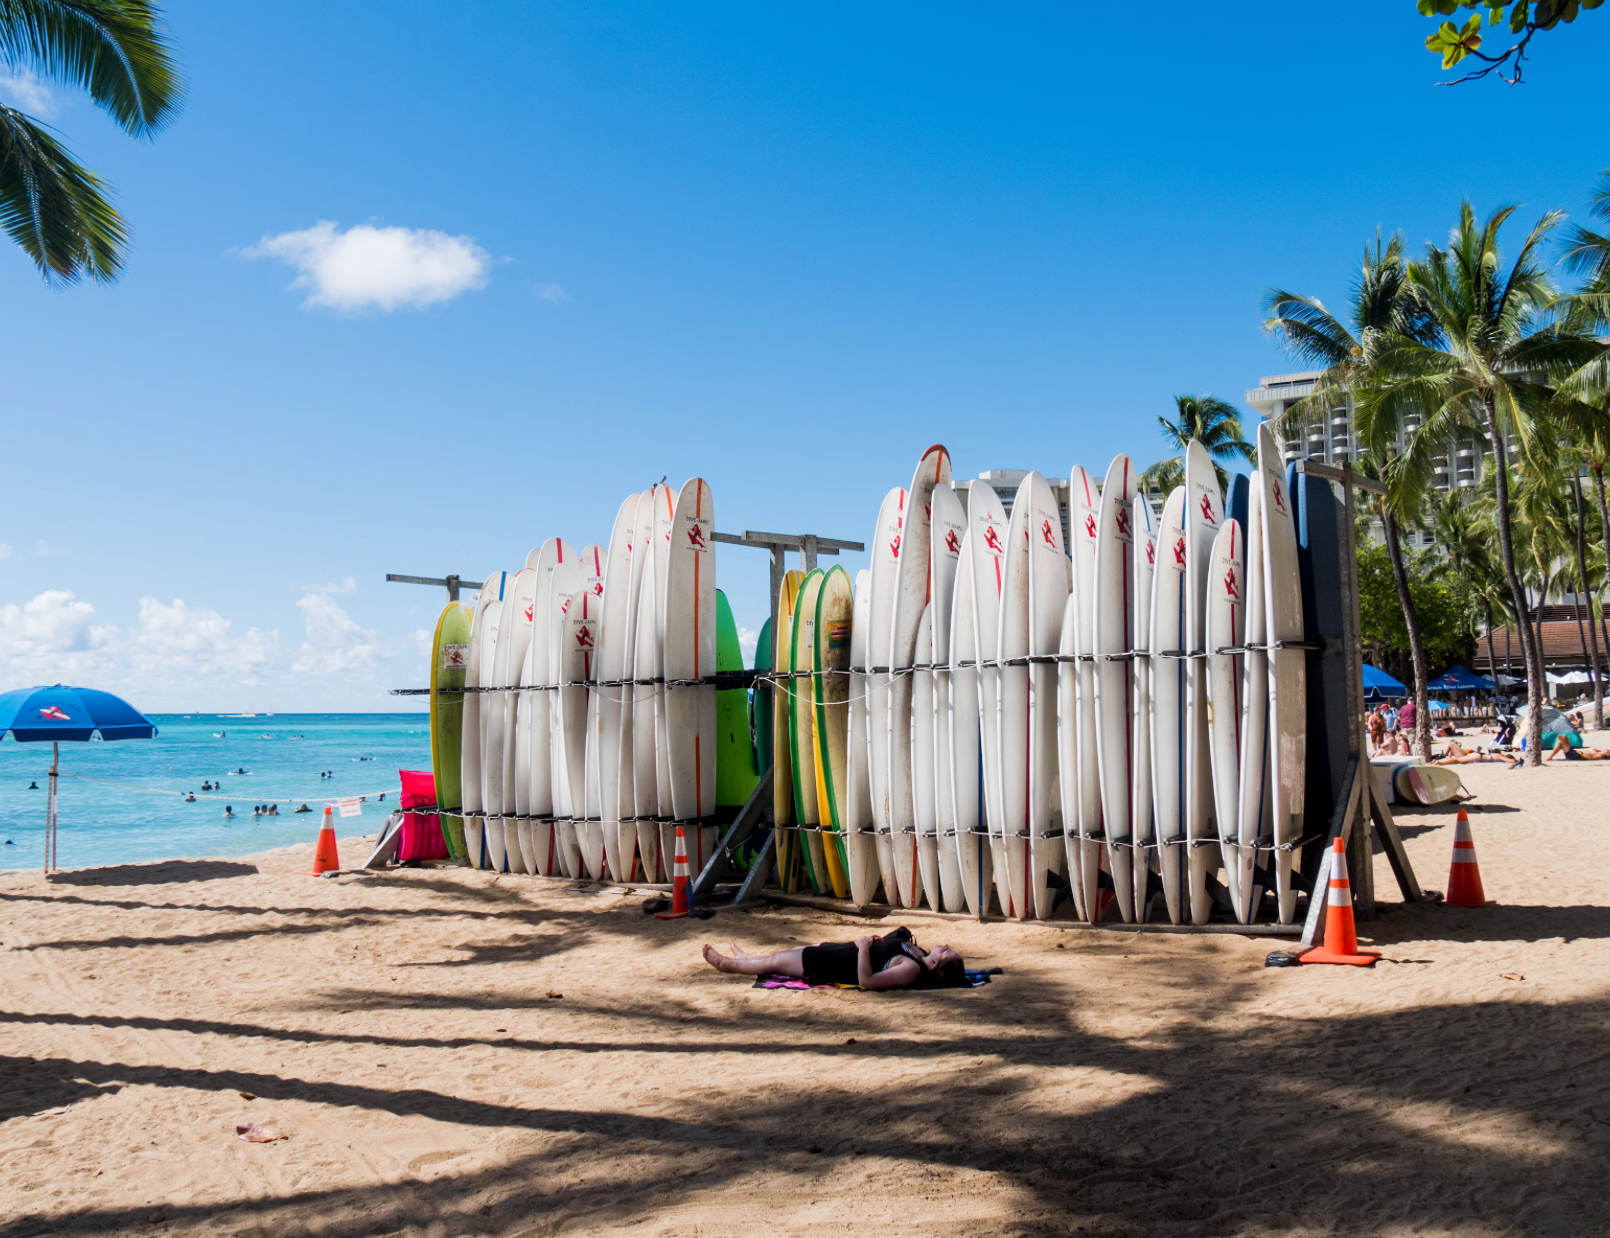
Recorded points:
1396,745
893,961
1456,754
1562,748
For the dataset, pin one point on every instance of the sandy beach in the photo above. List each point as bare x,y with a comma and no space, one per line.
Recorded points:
452,1053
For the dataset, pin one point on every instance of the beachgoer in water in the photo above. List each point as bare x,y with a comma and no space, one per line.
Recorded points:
893,961
382,796
229,811
273,810
190,798
33,786
304,808
242,770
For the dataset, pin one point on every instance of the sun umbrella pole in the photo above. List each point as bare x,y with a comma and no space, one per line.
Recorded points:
50,808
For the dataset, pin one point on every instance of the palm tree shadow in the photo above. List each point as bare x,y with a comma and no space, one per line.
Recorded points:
166,872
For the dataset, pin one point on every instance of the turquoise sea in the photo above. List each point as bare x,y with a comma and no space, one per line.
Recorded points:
124,802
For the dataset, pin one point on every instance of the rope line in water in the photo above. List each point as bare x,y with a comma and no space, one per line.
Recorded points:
209,795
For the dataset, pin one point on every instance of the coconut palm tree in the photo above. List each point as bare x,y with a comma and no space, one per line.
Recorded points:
1213,423
51,205
1464,556
1487,362
1382,308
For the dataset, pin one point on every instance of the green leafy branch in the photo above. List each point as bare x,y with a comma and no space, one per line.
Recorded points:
1523,17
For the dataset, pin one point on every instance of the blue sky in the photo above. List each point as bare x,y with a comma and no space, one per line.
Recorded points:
782,246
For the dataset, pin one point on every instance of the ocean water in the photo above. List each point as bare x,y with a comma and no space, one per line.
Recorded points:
123,802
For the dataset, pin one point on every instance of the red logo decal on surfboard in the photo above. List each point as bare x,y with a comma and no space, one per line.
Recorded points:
894,546
1047,533
952,542
696,537
584,636
565,609
598,588
1207,510
1280,500
530,612
1123,523
54,714
1090,526
992,540
1179,553
1230,584
1151,553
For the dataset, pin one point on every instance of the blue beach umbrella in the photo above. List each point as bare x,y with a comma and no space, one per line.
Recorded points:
59,714
1378,684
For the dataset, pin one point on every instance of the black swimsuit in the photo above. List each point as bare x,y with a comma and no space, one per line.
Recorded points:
836,962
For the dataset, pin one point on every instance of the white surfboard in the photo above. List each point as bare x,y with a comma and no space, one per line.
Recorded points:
646,665
860,837
1255,812
884,580
646,828
910,599
1203,515
590,827
1288,678
987,526
535,712
924,797
1032,605
569,654
604,709
971,832
1140,792
690,667
470,760
1226,629
1168,705
492,675
664,517
522,594
497,764
948,523
1086,828
1113,635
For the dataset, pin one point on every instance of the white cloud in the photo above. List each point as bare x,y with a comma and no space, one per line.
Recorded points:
335,643
381,268
748,641
181,638
27,90
6,552
53,628
552,292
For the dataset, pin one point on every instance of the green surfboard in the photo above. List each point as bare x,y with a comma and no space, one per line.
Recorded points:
760,707
736,775
449,659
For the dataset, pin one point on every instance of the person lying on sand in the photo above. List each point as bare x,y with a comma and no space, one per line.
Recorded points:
893,961
1562,748
1455,754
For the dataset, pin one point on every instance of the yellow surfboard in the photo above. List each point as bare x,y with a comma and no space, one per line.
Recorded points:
830,701
801,732
789,857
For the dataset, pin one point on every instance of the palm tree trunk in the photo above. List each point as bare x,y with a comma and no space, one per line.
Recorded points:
1417,645
1604,543
1587,599
1506,550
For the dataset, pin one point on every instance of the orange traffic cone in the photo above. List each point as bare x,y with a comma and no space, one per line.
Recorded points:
680,904
1341,939
1464,875
325,859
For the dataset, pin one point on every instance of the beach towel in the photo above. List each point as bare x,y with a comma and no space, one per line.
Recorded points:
421,835
975,979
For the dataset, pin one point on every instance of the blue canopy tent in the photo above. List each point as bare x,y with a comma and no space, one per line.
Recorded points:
1378,685
1458,679
73,715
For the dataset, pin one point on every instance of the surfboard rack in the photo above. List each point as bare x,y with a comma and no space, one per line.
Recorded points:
451,583
807,545
750,818
1340,788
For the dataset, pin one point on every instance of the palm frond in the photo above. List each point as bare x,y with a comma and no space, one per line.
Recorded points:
55,208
